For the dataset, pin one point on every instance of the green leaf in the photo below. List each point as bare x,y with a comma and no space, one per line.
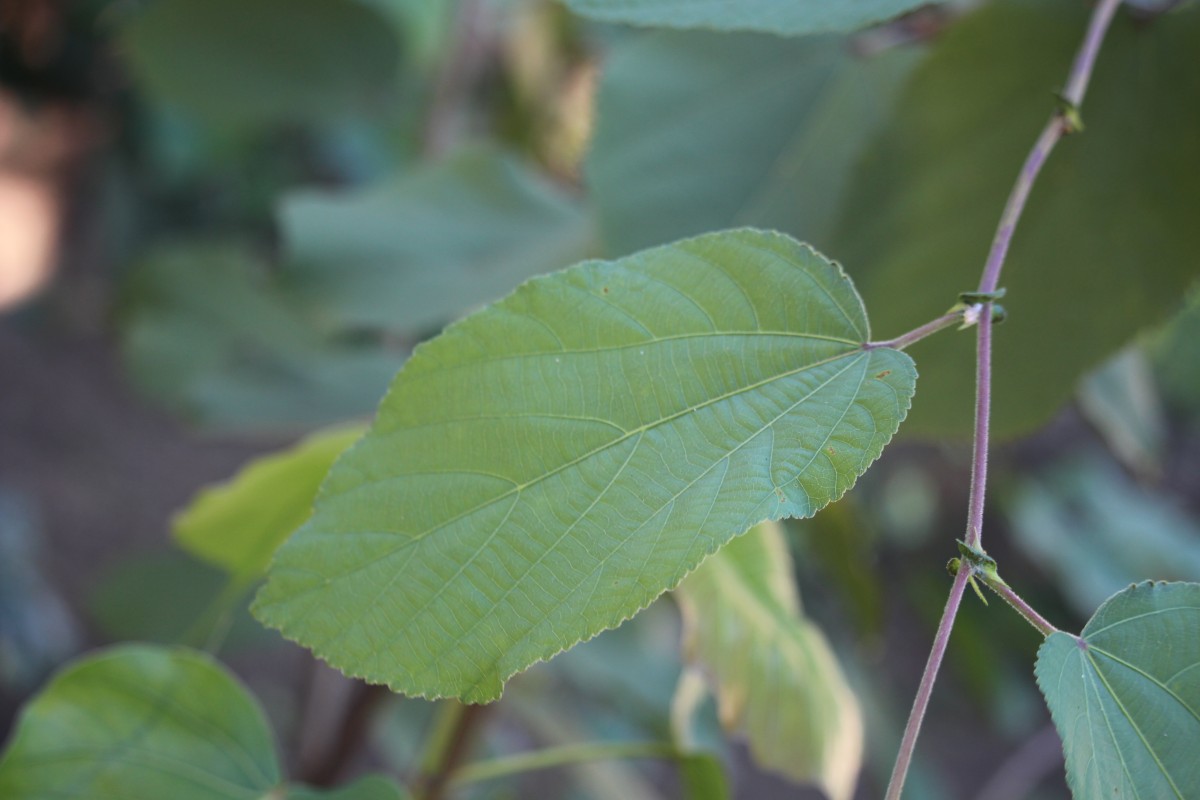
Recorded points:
238,525
1107,243
140,721
1121,401
245,62
1125,696
774,674
209,331
699,131
703,777
444,238
784,17
545,468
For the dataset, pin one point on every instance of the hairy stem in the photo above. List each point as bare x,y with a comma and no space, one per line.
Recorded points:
560,756
1062,122
917,334
1019,605
908,743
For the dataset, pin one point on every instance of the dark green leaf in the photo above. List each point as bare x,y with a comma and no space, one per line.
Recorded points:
1125,695
240,62
1107,244
436,242
547,467
699,131
785,17
775,676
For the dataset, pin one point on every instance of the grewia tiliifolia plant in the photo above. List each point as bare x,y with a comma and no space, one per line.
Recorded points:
548,466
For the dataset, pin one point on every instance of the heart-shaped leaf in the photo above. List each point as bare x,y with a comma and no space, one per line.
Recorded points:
545,468
1125,695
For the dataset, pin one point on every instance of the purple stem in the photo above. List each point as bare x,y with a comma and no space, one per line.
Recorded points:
1059,124
1024,609
908,743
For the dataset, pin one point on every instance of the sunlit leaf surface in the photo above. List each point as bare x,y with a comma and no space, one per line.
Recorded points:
550,465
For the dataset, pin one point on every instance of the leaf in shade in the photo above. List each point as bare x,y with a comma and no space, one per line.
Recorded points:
774,675
245,62
1125,695
547,467
698,131
1107,243
440,240
784,17
238,525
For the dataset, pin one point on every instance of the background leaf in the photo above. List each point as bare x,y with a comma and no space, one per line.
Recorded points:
441,239
237,62
547,467
238,525
139,721
371,787
786,17
774,674
1107,244
1126,704
733,129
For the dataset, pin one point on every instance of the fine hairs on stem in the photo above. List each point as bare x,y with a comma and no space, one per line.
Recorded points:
1061,123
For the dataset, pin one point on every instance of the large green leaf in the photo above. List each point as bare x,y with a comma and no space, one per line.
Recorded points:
547,467
260,61
444,238
238,525
1125,695
698,131
774,674
1108,241
139,721
785,17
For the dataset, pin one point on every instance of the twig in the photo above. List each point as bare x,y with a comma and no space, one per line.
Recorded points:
448,744
1020,773
459,71
1064,120
917,334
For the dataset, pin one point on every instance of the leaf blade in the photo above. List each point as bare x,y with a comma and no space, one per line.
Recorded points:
774,674
1130,719
486,523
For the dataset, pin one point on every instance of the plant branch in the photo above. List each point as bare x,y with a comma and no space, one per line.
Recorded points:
1019,605
908,743
917,334
560,756
1065,120
448,743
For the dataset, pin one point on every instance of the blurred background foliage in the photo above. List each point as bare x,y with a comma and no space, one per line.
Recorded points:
224,224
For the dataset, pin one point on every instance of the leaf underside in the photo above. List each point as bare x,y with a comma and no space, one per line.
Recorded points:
547,467
1125,695
774,674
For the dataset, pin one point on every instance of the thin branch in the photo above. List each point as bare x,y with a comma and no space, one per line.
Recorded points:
449,743
1064,121
1019,605
561,756
917,334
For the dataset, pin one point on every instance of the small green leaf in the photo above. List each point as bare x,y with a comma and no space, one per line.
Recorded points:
140,721
241,62
547,467
1125,695
784,17
446,237
238,525
698,131
775,676
703,777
